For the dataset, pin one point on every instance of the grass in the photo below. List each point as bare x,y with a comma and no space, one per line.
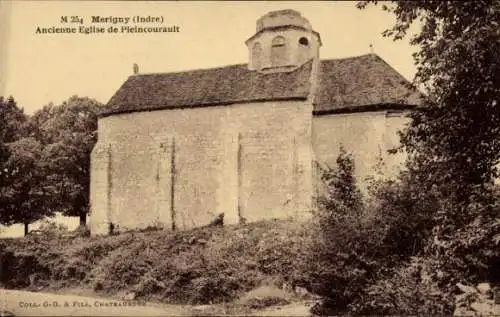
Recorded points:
201,266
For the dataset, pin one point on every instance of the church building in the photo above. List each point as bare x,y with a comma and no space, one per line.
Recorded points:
176,149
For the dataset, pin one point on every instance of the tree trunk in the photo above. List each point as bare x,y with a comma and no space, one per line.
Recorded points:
26,229
83,219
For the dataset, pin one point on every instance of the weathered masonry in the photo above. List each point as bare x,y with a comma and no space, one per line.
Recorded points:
175,149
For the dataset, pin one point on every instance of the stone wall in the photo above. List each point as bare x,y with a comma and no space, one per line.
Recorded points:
100,186
185,166
367,135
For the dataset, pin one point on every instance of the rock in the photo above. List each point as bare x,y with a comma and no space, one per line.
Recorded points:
482,308
129,296
462,311
301,291
287,288
475,301
466,289
484,288
217,221
465,298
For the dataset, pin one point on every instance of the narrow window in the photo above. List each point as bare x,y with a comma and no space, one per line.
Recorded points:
278,51
256,55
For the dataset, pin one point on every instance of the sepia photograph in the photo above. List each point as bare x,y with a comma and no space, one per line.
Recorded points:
249,158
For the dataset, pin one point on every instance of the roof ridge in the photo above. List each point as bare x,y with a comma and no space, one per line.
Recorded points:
244,64
190,70
349,57
219,68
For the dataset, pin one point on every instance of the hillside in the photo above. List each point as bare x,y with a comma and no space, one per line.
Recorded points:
199,266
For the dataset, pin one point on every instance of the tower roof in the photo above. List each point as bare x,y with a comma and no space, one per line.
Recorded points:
282,18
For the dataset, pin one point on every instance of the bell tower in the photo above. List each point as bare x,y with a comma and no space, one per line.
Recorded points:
283,40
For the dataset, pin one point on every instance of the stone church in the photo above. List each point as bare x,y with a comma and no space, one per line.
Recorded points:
176,149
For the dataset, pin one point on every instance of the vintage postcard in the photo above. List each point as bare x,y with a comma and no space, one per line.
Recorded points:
167,158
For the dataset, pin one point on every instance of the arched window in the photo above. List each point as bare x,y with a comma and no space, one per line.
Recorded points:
279,41
256,55
278,51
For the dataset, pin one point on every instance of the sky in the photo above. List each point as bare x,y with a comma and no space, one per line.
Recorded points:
37,69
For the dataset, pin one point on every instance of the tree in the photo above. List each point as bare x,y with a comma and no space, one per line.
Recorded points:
453,140
68,133
455,137
25,195
12,124
21,195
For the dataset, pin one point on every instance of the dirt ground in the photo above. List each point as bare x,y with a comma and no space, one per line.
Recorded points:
23,303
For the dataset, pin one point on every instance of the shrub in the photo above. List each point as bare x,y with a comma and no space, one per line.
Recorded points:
406,213
434,253
346,258
470,253
408,290
342,193
26,264
344,250
360,242
51,229
198,266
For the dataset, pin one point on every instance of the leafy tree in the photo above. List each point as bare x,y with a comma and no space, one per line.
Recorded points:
22,198
68,133
12,119
12,124
45,160
25,195
453,140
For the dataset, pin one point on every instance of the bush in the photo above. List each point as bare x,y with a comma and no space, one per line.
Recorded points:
342,196
345,252
360,242
346,258
25,263
406,213
470,253
433,254
198,266
448,251
408,290
51,229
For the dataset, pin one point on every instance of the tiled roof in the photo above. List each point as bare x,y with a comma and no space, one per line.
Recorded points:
361,82
349,84
208,87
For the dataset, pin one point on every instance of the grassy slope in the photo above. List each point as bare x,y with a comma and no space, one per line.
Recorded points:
199,266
